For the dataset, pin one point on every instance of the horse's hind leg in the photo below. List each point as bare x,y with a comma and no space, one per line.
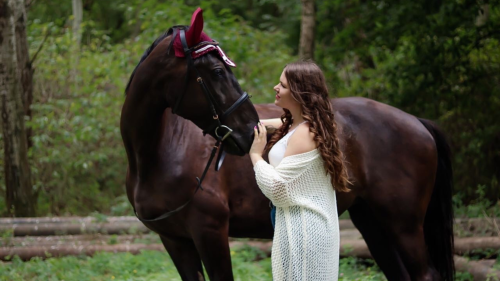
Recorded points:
403,216
380,244
185,257
412,248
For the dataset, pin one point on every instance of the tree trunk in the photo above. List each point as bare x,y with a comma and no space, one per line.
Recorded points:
306,48
136,30
483,15
77,38
77,20
24,64
20,198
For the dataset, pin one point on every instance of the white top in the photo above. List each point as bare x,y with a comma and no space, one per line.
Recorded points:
306,238
278,150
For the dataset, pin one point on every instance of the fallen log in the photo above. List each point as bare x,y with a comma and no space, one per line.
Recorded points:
477,269
477,227
469,244
89,239
351,245
125,225
46,229
48,251
348,248
103,239
480,270
462,246
27,253
65,225
35,220
346,224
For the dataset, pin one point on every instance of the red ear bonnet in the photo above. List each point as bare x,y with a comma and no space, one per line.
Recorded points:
194,32
195,35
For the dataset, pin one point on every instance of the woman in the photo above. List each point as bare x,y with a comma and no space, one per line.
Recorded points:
305,170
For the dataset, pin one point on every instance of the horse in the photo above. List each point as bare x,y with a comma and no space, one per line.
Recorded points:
399,165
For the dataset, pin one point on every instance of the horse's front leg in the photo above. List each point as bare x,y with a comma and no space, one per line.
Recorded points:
211,240
185,257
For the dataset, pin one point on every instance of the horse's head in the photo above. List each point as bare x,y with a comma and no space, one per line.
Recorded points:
212,97
196,81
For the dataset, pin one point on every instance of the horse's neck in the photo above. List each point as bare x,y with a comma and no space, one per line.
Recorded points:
142,124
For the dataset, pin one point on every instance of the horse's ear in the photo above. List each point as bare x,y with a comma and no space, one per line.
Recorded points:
194,33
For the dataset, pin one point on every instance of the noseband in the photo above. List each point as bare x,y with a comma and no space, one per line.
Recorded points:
222,132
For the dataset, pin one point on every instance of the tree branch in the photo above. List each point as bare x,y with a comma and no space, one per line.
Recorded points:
40,47
28,4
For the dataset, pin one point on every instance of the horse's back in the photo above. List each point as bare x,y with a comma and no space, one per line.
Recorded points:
391,156
361,115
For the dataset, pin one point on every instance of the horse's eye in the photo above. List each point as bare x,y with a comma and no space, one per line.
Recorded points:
218,71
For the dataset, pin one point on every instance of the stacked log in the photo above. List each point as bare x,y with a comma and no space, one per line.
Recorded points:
128,224
71,226
88,235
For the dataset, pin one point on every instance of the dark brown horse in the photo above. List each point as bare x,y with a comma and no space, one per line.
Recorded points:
399,164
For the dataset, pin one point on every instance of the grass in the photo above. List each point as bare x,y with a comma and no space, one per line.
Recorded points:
248,265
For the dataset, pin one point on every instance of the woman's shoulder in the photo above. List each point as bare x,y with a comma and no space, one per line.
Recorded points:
301,141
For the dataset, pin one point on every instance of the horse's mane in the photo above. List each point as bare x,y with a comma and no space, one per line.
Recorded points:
150,49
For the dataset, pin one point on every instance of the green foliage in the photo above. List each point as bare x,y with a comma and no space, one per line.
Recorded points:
480,207
432,59
77,159
352,268
149,265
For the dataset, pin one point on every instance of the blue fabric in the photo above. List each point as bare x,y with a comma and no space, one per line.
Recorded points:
273,214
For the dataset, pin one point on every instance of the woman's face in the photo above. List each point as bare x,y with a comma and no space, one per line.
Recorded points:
284,97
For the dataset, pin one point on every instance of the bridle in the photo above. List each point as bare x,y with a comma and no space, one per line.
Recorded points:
221,132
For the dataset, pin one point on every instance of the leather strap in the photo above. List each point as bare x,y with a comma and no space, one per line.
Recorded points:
239,102
220,158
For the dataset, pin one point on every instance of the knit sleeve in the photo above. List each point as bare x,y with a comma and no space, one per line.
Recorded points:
278,183
273,183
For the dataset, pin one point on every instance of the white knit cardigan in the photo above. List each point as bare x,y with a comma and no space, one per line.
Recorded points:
306,238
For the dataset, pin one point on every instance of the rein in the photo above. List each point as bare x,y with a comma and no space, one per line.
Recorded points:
216,124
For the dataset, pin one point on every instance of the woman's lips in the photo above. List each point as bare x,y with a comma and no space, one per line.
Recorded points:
277,97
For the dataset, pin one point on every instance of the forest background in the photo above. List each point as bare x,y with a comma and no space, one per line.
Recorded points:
436,59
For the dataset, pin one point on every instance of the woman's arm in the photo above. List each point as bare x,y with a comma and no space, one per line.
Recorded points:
275,122
274,183
301,141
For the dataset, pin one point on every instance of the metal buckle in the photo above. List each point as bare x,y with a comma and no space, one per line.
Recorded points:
229,131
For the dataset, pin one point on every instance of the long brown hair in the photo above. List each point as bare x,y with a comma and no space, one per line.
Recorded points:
308,87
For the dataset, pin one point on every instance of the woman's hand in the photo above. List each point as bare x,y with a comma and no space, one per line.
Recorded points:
259,143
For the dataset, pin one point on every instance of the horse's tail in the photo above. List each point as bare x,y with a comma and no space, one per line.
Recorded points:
438,224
